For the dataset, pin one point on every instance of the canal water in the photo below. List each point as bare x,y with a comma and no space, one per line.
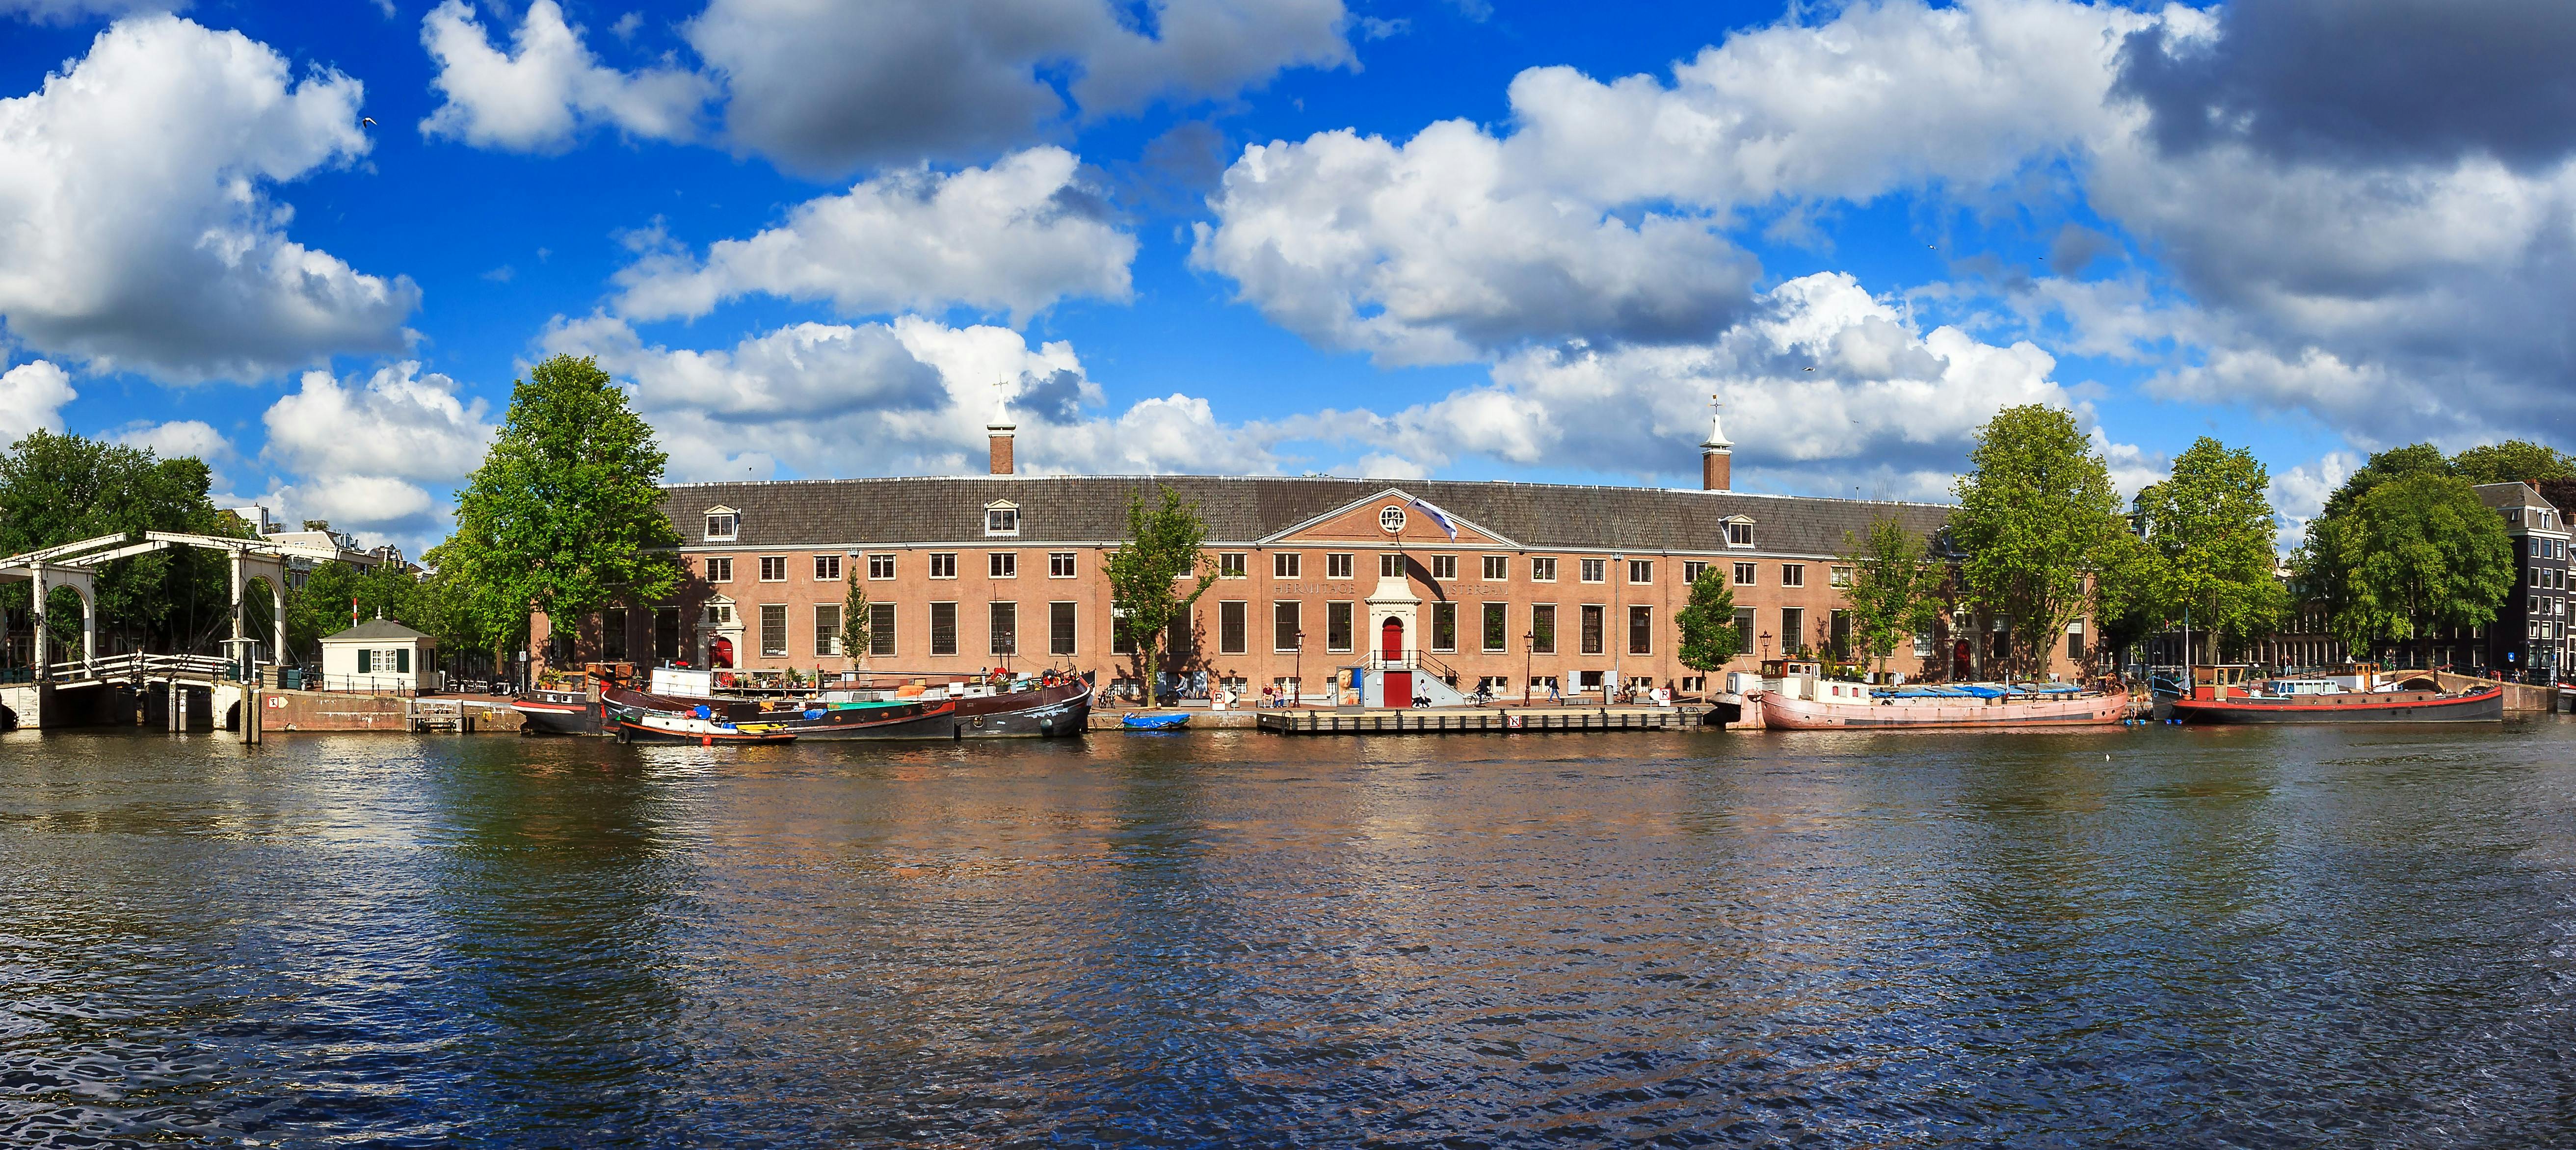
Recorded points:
2145,937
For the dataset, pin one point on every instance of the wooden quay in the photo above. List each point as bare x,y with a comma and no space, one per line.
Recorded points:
1474,720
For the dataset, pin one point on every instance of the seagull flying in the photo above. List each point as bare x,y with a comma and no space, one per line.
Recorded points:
369,121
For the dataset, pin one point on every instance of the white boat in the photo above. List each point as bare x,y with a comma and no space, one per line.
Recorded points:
1798,698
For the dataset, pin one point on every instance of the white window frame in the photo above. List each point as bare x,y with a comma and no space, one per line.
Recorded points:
881,558
1793,574
1444,568
1739,533
1061,565
820,561
719,563
1338,564
1543,569
1002,564
1637,567
1233,565
1498,569
732,525
939,559
1747,574
766,568
1001,519
1593,570
1286,564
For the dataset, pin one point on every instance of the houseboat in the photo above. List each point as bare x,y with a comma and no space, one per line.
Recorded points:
1796,696
2231,694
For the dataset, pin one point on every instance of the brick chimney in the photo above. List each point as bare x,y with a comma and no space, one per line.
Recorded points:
1716,457
999,432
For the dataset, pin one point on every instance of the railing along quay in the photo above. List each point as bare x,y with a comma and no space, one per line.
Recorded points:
1498,720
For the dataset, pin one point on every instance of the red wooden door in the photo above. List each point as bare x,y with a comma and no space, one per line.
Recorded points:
1393,645
1398,688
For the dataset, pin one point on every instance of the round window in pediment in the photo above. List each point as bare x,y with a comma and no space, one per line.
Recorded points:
1392,519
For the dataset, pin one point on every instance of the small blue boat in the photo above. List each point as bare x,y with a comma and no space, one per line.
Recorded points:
1169,722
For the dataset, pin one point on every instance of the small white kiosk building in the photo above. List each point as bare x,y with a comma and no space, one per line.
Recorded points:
379,655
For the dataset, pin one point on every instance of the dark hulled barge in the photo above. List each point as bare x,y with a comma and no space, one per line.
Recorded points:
2228,695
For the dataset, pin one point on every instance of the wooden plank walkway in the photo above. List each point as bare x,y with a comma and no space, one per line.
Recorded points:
1484,720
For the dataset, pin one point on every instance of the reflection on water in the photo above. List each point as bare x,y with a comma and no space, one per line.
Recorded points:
2158,936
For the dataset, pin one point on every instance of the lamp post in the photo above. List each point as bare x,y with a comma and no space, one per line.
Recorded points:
1297,689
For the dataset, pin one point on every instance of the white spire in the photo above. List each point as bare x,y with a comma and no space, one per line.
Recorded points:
1717,440
1001,412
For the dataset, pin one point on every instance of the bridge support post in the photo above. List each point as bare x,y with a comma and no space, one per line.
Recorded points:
178,715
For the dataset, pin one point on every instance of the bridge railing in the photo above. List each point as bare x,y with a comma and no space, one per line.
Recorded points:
139,666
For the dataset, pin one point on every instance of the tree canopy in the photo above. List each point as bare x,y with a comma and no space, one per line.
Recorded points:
1709,634
564,516
1892,586
2413,554
2210,554
2513,459
1162,548
2037,518
57,489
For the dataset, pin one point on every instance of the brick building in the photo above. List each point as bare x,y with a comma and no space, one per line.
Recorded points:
1566,585
2529,635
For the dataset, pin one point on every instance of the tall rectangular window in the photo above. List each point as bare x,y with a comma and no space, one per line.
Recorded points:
2075,640
1120,642
1181,639
1337,626
1444,626
1498,568
1003,564
1543,629
612,634
666,633
881,628
1337,566
773,568
773,630
1595,570
827,567
1498,626
1285,626
1059,564
1230,628
1594,623
1641,630
1793,630
880,566
1744,630
1444,567
1390,565
1060,618
943,564
1006,628
719,569
827,628
1641,571
1838,633
1285,564
943,628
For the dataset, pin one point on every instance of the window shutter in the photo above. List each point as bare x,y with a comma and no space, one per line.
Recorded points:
363,661
402,660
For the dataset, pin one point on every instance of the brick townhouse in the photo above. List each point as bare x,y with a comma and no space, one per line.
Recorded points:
1567,585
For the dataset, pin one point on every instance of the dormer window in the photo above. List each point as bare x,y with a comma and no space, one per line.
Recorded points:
1001,519
1739,533
723,524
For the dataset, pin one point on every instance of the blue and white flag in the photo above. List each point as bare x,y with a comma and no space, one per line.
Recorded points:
1437,516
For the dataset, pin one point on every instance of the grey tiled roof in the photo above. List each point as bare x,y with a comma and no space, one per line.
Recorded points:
1240,509
374,630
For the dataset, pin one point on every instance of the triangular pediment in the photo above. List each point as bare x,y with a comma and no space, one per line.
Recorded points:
1389,518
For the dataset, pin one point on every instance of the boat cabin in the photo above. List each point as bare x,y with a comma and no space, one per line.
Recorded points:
2222,681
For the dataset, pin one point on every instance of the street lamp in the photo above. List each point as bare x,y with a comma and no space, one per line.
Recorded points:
1529,663
1297,688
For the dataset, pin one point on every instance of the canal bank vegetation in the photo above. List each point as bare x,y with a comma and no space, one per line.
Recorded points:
1163,546
2405,548
2206,557
2038,527
1709,633
57,489
565,514
1897,589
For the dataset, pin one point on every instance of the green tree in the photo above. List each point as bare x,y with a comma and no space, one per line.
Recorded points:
1893,585
2210,554
565,514
2513,459
2412,555
322,607
57,489
1162,548
857,630
1709,634
2037,518
2394,463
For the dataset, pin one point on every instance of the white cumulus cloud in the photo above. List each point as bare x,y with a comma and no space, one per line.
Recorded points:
32,396
1015,237
134,230
539,94
383,452
907,397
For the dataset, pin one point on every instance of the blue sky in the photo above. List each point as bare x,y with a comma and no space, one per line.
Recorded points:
1506,240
